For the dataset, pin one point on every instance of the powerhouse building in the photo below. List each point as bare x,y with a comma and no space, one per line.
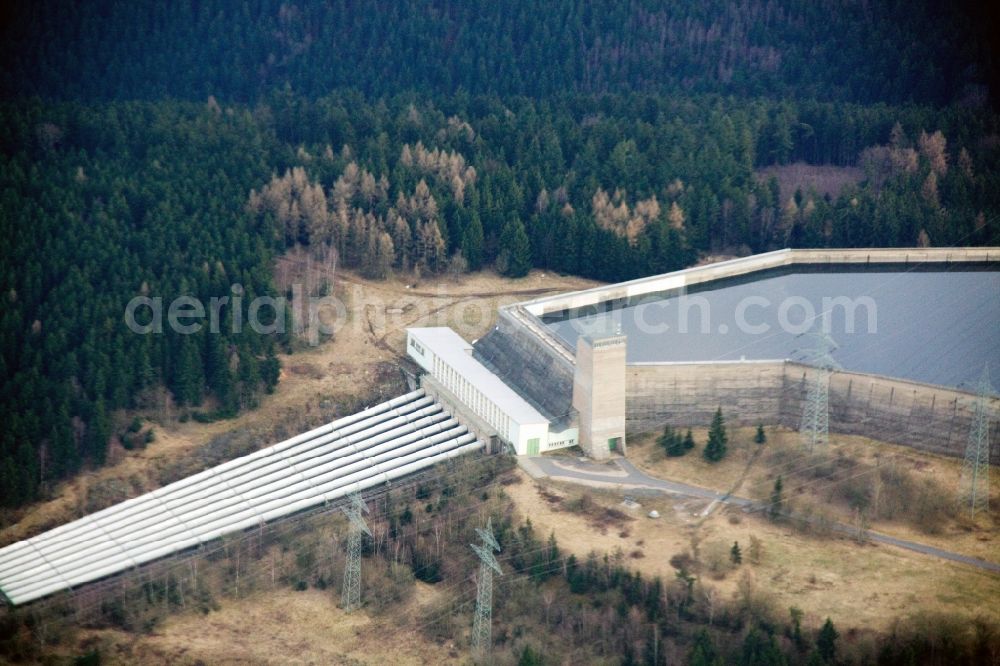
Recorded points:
492,409
492,405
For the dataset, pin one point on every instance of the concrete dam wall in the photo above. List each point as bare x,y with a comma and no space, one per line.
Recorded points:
531,356
922,416
687,394
930,418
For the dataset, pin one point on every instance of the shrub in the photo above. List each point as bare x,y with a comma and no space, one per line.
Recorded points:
717,559
812,519
683,561
583,504
856,491
92,658
932,507
386,586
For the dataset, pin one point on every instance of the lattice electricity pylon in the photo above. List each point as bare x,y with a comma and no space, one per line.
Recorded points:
482,623
351,595
974,486
815,426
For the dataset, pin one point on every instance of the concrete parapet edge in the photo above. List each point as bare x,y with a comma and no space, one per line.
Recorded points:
758,262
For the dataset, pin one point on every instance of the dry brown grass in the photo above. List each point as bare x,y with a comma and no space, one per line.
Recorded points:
863,586
853,457
693,468
279,627
308,370
599,516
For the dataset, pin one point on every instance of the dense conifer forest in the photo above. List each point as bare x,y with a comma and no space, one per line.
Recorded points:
892,51
169,149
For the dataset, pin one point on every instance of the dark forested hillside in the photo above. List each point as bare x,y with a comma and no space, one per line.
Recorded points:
105,201
97,205
164,149
893,51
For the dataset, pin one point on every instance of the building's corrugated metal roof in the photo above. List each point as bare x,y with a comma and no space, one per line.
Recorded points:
369,448
449,346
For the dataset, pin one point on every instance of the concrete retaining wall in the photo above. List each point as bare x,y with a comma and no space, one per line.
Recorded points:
926,417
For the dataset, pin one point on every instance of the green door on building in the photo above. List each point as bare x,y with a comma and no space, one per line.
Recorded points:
533,446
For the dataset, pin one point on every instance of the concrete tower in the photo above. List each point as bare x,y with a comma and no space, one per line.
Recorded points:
599,394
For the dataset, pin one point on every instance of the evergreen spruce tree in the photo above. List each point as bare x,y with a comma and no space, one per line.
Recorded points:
652,650
8,483
217,372
143,372
98,433
703,652
628,659
249,375
688,440
552,550
826,642
530,658
814,659
672,443
65,457
776,506
715,449
655,600
515,250
760,649
188,377
797,637
566,244
270,370
24,474
472,243
760,437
